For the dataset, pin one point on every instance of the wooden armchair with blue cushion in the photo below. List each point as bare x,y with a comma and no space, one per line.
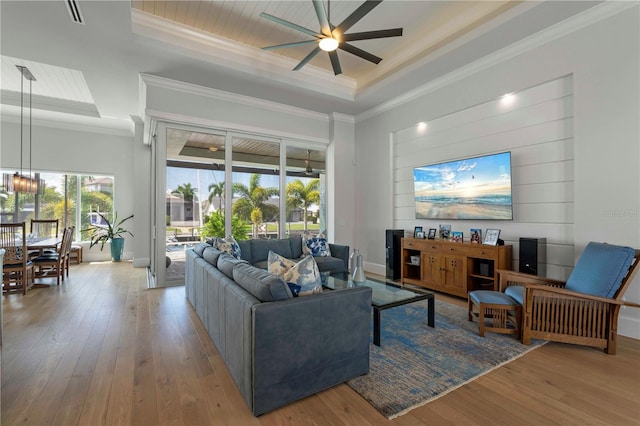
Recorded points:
584,310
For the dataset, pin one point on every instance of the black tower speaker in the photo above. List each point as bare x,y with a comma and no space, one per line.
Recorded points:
533,256
394,247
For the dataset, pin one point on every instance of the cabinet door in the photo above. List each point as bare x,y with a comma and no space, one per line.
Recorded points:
431,271
455,275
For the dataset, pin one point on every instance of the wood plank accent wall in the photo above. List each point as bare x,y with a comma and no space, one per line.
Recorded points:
536,125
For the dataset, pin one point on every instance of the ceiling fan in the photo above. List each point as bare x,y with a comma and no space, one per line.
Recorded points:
333,37
308,170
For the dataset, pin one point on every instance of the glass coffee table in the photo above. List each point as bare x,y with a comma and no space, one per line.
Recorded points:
384,296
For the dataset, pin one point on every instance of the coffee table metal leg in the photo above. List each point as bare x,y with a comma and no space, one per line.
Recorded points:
376,326
432,313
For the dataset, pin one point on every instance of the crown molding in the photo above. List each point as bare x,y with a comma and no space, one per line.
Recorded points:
221,95
243,58
57,120
589,17
344,118
205,123
431,48
51,104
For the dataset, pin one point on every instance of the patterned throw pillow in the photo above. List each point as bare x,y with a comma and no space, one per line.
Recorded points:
230,245
315,245
278,265
303,278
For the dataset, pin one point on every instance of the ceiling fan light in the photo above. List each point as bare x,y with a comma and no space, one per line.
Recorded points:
328,44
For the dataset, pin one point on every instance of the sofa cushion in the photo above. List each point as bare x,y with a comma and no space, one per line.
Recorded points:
230,245
226,263
329,264
600,269
262,285
315,245
260,249
200,247
245,250
211,255
295,242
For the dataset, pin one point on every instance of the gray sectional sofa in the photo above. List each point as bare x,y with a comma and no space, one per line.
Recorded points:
256,252
277,348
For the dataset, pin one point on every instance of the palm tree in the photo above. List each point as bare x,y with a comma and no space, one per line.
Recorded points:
252,206
217,190
304,196
187,192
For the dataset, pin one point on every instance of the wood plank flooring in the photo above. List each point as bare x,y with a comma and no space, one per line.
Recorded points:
102,349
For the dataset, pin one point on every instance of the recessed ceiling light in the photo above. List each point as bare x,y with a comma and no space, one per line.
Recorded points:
508,99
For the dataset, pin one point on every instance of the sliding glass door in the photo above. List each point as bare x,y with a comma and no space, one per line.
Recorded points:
211,184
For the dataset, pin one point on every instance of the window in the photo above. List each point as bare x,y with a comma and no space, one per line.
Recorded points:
220,183
62,194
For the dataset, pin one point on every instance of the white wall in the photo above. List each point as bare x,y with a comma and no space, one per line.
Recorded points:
604,60
536,126
77,150
340,175
168,100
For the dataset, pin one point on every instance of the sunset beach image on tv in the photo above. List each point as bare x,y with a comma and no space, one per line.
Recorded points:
472,188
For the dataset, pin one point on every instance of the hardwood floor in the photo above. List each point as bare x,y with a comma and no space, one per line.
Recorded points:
104,349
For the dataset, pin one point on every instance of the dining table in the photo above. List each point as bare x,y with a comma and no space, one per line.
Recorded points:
40,243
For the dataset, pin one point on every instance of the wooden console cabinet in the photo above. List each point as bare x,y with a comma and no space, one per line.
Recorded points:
453,268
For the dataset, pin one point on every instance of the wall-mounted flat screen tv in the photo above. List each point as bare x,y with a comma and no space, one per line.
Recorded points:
472,188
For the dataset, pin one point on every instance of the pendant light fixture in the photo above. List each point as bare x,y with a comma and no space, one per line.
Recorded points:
19,182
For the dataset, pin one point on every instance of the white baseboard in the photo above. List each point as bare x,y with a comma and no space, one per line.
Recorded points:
628,326
141,262
375,268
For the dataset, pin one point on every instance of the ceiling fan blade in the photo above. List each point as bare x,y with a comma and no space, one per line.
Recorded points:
368,35
322,17
335,62
309,57
359,52
294,44
357,15
291,25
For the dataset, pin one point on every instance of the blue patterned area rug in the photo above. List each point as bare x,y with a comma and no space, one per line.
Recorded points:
417,364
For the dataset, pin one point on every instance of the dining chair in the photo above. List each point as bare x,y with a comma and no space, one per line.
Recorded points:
44,228
17,268
67,248
50,264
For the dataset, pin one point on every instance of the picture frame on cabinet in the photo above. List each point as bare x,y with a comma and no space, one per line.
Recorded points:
416,230
476,236
445,232
432,234
419,234
457,237
491,237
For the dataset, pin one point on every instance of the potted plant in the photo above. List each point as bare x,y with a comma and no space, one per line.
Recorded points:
109,231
